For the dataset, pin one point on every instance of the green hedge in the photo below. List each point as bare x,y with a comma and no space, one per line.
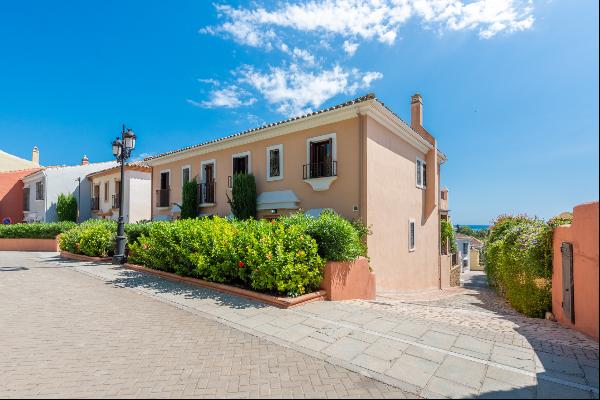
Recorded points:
338,239
95,237
518,257
265,256
38,230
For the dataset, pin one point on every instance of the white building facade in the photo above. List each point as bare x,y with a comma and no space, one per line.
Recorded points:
41,190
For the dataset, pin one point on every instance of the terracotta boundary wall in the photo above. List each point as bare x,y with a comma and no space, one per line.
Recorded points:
349,280
583,234
26,244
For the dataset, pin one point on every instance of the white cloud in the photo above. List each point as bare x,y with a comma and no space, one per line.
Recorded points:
350,47
369,19
294,91
229,97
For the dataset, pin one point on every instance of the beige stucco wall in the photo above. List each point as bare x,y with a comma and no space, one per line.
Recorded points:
392,199
341,196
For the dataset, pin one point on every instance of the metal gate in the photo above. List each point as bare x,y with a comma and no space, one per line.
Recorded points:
567,276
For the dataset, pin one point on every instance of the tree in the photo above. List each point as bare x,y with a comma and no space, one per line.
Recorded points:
243,203
189,203
66,208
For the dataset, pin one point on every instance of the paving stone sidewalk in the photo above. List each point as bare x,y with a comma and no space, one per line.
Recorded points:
64,334
469,344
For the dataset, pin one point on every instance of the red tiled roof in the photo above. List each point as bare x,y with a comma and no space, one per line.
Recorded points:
361,99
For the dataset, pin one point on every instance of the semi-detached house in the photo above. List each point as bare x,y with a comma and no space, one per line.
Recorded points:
358,158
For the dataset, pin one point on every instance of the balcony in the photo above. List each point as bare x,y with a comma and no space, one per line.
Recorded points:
206,194
320,175
162,197
95,203
116,202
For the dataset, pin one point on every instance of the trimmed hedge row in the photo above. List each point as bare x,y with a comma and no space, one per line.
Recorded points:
285,256
36,230
265,256
518,257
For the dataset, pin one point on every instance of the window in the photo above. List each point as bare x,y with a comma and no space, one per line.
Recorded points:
185,175
421,173
412,240
465,248
321,158
207,184
275,162
241,163
106,189
465,263
444,195
26,199
162,194
39,190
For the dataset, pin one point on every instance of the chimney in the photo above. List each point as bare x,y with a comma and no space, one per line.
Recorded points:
85,161
416,111
35,155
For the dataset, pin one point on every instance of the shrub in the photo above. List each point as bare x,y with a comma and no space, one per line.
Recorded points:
134,231
189,202
338,239
266,256
95,237
37,230
243,201
518,256
66,208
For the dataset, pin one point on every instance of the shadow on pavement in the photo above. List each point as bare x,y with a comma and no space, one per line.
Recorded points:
569,358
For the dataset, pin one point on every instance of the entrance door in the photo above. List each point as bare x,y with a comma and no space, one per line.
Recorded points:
567,273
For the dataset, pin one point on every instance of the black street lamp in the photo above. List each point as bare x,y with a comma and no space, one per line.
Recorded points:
121,149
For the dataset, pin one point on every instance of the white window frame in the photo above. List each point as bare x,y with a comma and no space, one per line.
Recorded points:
420,174
213,161
268,175
43,191
322,138
242,154
411,221
190,173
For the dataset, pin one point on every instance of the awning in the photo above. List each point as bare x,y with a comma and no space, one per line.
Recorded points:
277,199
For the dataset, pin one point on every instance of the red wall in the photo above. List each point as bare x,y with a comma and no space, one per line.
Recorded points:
583,233
11,194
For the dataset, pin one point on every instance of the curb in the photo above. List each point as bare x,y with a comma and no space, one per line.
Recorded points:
280,302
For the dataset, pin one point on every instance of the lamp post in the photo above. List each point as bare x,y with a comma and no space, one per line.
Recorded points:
121,149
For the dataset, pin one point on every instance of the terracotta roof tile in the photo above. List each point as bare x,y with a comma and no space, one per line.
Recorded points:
361,99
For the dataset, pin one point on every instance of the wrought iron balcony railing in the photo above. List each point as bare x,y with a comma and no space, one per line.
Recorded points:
319,170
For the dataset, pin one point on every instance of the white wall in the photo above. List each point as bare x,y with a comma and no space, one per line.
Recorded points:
138,196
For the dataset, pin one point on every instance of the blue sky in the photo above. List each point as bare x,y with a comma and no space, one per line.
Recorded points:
510,88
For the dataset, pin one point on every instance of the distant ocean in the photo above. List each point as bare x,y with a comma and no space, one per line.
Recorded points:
477,227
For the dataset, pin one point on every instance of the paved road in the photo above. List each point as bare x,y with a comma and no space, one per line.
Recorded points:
65,334
460,343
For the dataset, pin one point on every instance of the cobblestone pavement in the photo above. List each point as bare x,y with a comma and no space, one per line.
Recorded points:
64,334
463,343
